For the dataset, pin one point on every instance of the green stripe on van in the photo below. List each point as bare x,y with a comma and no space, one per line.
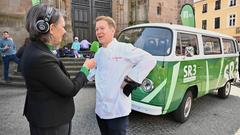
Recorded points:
207,78
172,87
149,97
219,76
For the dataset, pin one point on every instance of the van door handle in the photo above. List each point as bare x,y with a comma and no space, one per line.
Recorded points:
199,67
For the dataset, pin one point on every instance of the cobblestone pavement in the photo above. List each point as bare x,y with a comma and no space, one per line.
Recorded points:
210,116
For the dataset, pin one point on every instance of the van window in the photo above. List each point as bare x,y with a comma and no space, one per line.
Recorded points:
184,40
228,46
155,40
211,45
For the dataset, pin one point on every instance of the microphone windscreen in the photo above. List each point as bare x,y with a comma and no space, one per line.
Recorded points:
94,46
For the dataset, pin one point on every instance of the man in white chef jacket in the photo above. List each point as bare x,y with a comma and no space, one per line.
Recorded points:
120,68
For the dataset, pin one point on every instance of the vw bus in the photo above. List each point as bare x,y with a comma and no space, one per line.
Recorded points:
190,63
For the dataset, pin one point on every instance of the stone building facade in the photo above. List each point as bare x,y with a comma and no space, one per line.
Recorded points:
13,13
129,12
125,12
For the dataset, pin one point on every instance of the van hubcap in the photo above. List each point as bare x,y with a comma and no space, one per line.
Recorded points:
187,107
227,88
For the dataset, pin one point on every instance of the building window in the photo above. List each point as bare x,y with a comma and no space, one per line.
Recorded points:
159,9
232,3
217,4
217,23
204,9
232,19
204,24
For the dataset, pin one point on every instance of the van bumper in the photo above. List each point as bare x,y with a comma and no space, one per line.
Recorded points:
146,108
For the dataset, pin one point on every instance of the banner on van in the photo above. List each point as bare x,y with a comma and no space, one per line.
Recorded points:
35,2
187,15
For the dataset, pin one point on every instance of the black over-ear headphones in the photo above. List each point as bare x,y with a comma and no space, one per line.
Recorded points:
42,25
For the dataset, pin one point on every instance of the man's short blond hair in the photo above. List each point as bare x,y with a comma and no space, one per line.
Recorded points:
108,19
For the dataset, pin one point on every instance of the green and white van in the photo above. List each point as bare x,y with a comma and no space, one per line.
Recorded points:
190,63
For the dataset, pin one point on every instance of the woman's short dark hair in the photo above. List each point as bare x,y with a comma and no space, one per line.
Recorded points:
37,13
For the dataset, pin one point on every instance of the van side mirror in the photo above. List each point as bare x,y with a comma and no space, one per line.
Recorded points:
189,51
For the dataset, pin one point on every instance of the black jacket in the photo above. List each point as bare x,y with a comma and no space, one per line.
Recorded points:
50,91
20,52
19,55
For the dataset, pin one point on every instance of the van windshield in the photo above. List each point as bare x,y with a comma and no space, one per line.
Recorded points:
155,40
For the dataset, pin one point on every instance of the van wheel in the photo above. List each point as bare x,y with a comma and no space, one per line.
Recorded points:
183,111
225,90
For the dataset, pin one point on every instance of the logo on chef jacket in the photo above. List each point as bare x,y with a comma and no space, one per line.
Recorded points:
116,58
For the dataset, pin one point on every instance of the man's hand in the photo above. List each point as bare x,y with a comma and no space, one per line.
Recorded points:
128,86
90,63
5,48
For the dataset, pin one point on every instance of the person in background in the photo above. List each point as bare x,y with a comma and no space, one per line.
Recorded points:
49,105
84,44
8,52
59,50
76,47
113,89
67,51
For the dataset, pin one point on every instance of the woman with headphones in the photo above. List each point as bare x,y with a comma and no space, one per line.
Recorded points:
49,105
